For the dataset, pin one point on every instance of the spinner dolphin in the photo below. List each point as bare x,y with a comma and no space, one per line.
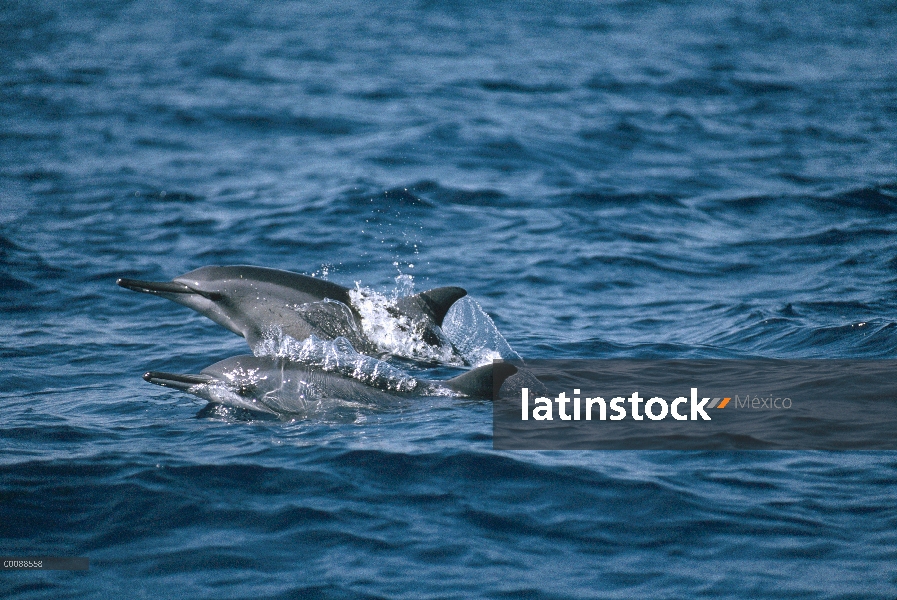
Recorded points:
282,387
254,301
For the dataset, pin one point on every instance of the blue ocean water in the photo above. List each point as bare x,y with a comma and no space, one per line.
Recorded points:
615,179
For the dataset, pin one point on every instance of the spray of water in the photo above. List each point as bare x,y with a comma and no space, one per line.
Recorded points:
395,333
336,356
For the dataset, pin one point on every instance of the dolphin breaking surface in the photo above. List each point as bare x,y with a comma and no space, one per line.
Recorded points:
286,388
316,342
259,303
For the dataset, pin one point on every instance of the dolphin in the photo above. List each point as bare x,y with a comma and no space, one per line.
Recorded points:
281,387
254,301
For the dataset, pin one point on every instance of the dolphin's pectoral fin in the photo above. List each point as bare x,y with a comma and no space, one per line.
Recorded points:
480,382
433,303
176,380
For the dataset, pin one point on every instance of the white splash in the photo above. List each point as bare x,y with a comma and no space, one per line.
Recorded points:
395,333
336,356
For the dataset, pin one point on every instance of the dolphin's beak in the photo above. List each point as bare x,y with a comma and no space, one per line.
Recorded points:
176,380
155,287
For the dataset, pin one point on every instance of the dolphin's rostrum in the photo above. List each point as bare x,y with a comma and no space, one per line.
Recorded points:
254,301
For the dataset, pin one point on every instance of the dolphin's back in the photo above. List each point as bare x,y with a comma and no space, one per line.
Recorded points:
301,284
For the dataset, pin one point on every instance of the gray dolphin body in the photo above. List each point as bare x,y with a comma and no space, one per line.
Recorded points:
251,301
283,387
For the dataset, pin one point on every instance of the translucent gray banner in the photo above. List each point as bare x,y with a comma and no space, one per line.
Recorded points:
697,405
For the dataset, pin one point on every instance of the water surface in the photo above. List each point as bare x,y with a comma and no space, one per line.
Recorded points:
625,179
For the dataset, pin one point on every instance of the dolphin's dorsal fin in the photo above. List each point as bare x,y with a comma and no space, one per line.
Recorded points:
480,382
432,303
